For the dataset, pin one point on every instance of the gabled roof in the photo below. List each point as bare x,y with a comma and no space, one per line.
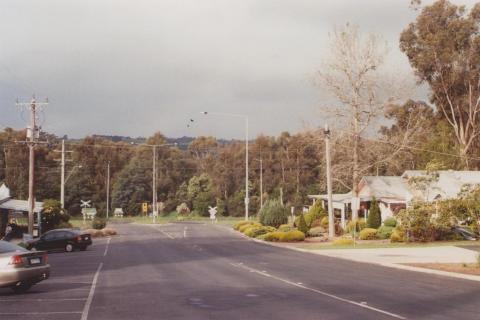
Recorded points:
385,187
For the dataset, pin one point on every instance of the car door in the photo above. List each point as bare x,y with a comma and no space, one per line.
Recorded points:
46,241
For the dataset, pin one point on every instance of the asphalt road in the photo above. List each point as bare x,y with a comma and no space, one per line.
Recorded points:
198,271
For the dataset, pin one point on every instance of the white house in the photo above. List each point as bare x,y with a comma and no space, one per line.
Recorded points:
397,192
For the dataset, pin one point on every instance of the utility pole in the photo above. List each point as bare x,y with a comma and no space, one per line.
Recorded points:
63,180
108,188
331,226
261,183
247,199
33,133
154,184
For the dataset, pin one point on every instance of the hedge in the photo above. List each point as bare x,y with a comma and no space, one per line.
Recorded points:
384,232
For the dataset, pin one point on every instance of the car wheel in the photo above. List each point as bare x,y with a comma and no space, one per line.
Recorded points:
69,247
22,287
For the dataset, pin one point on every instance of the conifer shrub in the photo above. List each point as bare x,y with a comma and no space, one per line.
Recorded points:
397,236
237,225
285,228
316,232
359,225
368,234
273,214
374,219
302,225
255,231
244,227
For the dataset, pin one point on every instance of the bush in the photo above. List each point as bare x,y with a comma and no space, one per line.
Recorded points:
359,225
343,242
368,234
293,236
302,225
237,225
290,236
390,222
255,231
183,210
94,233
273,214
396,236
314,213
384,232
109,232
285,228
324,222
244,227
374,219
53,215
99,223
316,232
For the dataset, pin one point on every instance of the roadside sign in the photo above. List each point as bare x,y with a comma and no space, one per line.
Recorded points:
144,207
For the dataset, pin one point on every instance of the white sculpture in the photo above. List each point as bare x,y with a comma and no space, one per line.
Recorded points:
213,213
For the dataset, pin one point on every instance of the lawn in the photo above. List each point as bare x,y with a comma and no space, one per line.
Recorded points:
172,217
381,244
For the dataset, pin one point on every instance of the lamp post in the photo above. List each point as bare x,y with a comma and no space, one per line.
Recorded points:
261,181
154,175
245,117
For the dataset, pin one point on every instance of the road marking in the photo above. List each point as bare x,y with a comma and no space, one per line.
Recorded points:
38,313
185,232
358,304
86,308
163,232
42,300
106,247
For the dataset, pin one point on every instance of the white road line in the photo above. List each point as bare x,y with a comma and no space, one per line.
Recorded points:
185,232
106,247
43,300
163,232
86,308
38,313
358,304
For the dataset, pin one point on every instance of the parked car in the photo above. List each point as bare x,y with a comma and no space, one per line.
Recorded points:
464,233
61,239
20,269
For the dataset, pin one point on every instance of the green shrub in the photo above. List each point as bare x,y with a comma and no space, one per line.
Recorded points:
244,227
390,222
273,214
53,215
396,236
293,236
343,242
368,234
374,219
256,231
302,225
274,236
237,225
290,236
99,223
285,228
324,222
315,212
359,225
384,232
316,232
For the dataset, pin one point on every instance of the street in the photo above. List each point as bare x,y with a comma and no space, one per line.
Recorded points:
202,271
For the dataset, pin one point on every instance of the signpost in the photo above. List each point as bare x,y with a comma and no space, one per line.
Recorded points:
213,214
145,208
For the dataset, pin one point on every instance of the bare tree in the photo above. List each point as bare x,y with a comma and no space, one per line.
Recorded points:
353,77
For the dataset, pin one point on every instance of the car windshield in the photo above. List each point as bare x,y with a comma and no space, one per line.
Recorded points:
6,247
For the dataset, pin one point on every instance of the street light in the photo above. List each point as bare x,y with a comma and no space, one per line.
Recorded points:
261,181
245,117
154,175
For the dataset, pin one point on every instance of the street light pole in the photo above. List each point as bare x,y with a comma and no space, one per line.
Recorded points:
261,181
108,188
154,184
331,226
247,198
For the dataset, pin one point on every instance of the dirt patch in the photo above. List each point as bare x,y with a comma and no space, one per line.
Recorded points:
465,268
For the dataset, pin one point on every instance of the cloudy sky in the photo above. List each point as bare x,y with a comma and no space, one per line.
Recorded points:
125,67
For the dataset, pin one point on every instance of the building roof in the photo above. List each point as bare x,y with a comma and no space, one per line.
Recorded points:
20,205
337,197
385,187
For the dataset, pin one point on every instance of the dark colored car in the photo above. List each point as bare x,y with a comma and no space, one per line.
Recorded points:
465,233
20,269
61,239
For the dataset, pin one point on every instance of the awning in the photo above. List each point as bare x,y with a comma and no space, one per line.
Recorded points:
20,205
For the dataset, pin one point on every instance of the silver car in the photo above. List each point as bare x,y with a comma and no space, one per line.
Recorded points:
20,269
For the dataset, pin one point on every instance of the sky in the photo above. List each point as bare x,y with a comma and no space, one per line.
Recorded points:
131,68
